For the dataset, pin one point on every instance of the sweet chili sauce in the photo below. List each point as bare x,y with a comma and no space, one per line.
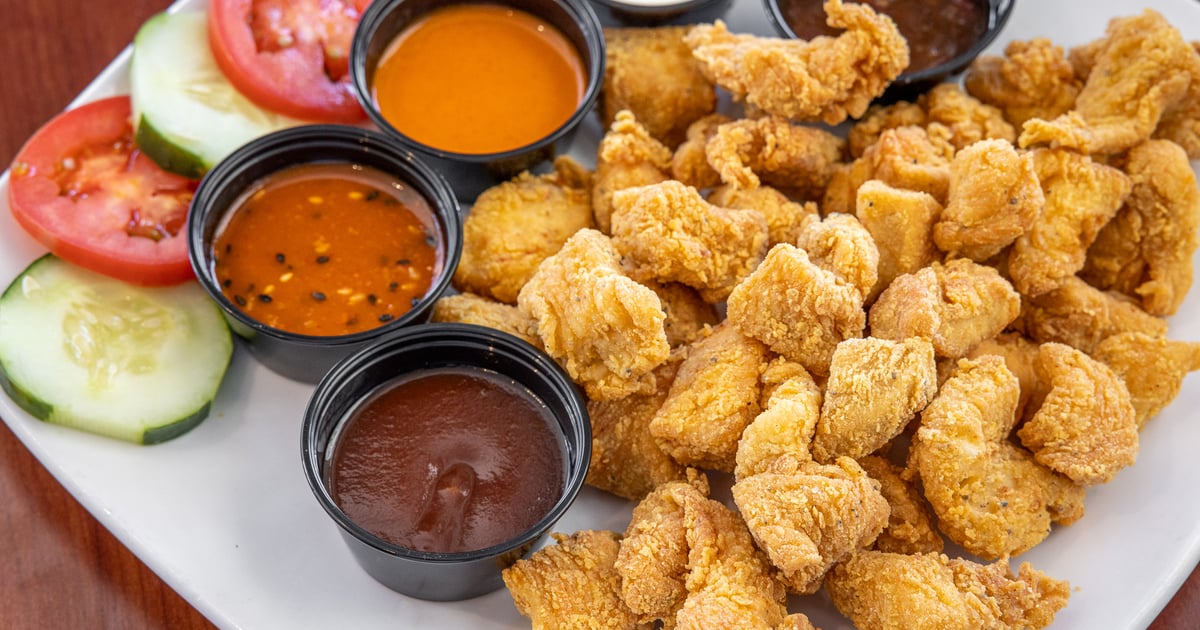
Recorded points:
448,459
328,249
479,78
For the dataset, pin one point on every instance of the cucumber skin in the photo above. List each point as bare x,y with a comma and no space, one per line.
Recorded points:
44,411
168,155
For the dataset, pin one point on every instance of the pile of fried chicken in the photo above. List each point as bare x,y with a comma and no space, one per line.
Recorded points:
942,326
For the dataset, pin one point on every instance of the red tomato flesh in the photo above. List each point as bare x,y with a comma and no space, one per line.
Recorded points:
81,188
291,57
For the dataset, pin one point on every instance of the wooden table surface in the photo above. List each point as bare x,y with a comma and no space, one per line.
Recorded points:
62,569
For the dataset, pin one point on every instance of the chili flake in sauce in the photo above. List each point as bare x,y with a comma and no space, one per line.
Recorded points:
328,249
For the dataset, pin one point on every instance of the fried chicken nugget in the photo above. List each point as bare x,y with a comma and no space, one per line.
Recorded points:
730,583
910,527
1018,353
1082,316
626,459
1143,69
1081,196
841,245
669,233
826,79
797,308
653,559
517,224
1085,427
890,591
772,150
956,305
809,516
651,72
714,397
1146,250
785,426
1033,79
904,157
785,218
901,224
690,164
606,329
572,585
880,118
468,308
687,314
1152,367
995,196
875,388
961,119
628,156
990,496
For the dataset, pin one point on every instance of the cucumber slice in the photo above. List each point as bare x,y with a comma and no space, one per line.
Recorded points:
141,364
187,114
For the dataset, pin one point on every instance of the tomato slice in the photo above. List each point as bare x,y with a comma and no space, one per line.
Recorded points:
83,190
289,56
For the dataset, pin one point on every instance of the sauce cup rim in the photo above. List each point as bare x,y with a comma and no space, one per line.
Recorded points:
430,183
580,12
577,451
998,13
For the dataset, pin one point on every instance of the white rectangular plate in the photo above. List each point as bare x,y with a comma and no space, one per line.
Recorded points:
224,515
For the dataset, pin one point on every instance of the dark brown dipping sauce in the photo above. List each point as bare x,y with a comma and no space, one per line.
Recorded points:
448,460
937,30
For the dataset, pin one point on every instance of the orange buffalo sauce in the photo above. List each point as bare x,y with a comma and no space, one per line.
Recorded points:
328,249
479,78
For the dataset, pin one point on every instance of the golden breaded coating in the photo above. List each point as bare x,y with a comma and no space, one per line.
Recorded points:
841,245
995,196
690,162
785,426
1146,250
651,72
1152,367
961,119
714,397
468,308
956,305
1085,427
1142,69
749,152
669,233
515,225
628,156
826,79
910,527
797,308
626,459
571,585
890,591
687,314
1019,353
777,371
1082,316
730,583
785,218
606,329
1081,196
809,516
991,497
1033,79
1182,125
796,621
904,157
875,387
880,118
653,559
901,224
